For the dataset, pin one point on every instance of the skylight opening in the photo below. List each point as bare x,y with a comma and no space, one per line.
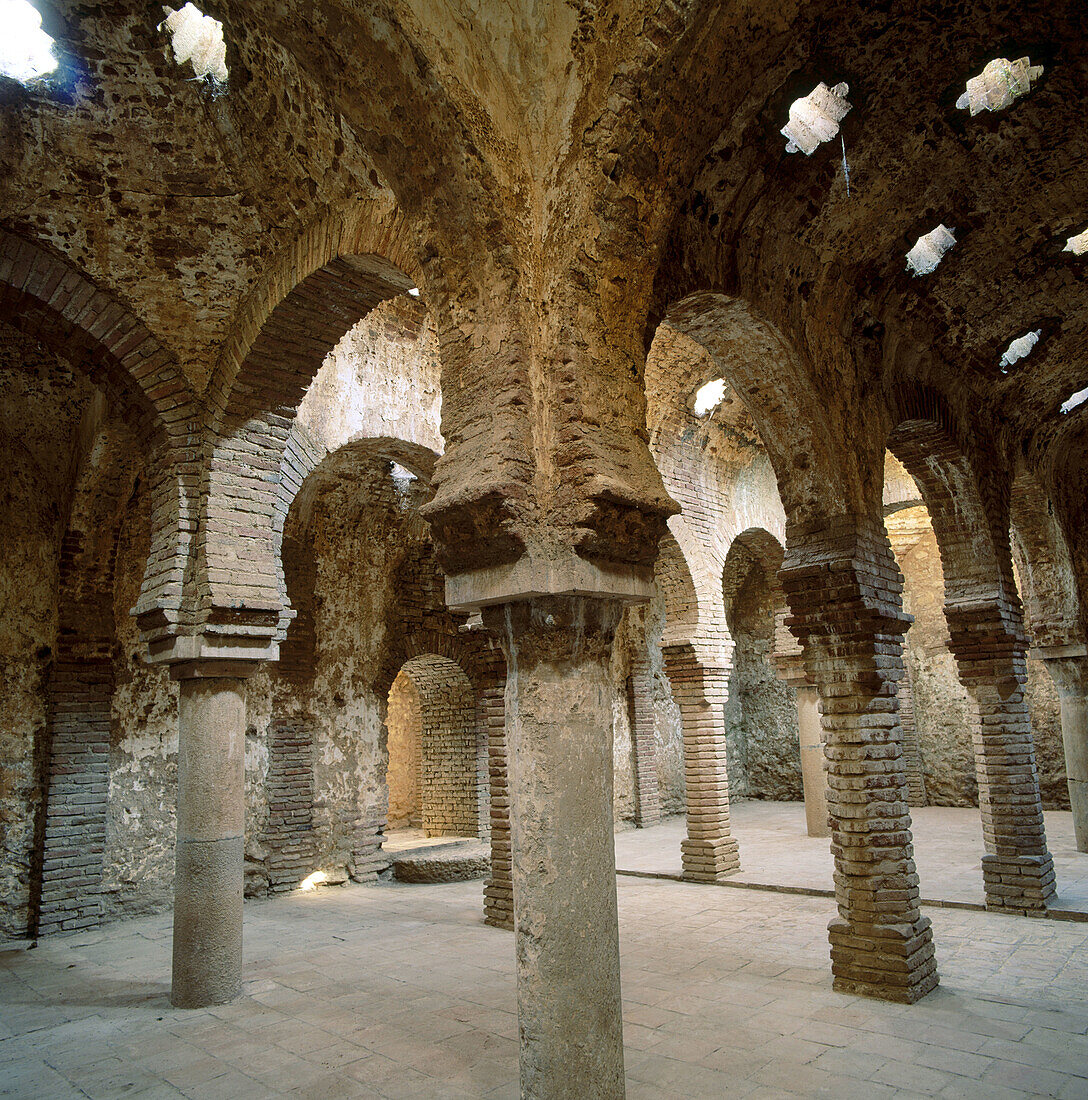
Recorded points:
709,397
815,118
1078,245
1075,401
198,39
401,474
26,51
929,250
1001,83
1020,348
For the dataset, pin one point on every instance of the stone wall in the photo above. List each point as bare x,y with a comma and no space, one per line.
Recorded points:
761,714
405,725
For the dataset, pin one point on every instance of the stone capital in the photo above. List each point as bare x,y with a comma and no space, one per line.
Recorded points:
213,669
555,628
532,577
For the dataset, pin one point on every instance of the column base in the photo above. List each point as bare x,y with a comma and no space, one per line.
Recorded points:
1018,884
709,860
207,962
894,962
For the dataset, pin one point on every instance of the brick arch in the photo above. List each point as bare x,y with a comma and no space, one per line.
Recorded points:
329,279
754,548
374,231
449,781
45,296
975,558
306,468
67,876
1050,596
674,581
767,374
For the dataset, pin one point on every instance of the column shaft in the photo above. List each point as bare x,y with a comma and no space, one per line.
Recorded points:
1070,675
813,768
559,740
209,877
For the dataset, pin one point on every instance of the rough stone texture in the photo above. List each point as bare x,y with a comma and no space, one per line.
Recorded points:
447,863
596,206
761,714
43,403
404,723
559,707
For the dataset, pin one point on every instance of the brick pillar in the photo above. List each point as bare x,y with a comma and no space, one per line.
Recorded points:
1068,667
1017,870
709,852
844,590
912,755
499,887
77,799
290,789
640,695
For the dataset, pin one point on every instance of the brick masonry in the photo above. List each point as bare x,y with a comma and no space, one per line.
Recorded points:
844,592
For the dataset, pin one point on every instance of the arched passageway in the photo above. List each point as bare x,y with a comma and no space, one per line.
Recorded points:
433,775
761,712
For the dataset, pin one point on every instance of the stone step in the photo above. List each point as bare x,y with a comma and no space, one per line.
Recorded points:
463,861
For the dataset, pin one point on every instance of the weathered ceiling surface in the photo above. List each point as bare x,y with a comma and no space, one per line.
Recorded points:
632,146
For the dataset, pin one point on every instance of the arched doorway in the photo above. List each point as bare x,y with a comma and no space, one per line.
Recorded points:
432,774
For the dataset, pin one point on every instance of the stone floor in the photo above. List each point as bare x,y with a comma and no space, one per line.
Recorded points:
401,840
402,991
776,851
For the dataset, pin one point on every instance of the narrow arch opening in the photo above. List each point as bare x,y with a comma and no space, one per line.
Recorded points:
432,776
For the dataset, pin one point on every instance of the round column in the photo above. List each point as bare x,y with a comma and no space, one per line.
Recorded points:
1070,675
209,877
559,740
813,771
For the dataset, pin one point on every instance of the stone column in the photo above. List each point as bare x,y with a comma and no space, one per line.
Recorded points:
1017,869
209,877
640,685
709,852
844,588
912,755
559,740
791,671
813,771
1068,667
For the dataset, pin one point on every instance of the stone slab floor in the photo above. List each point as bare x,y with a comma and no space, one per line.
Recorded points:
401,991
776,851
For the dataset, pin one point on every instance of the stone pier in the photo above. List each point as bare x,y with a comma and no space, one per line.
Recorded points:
559,739
1017,869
